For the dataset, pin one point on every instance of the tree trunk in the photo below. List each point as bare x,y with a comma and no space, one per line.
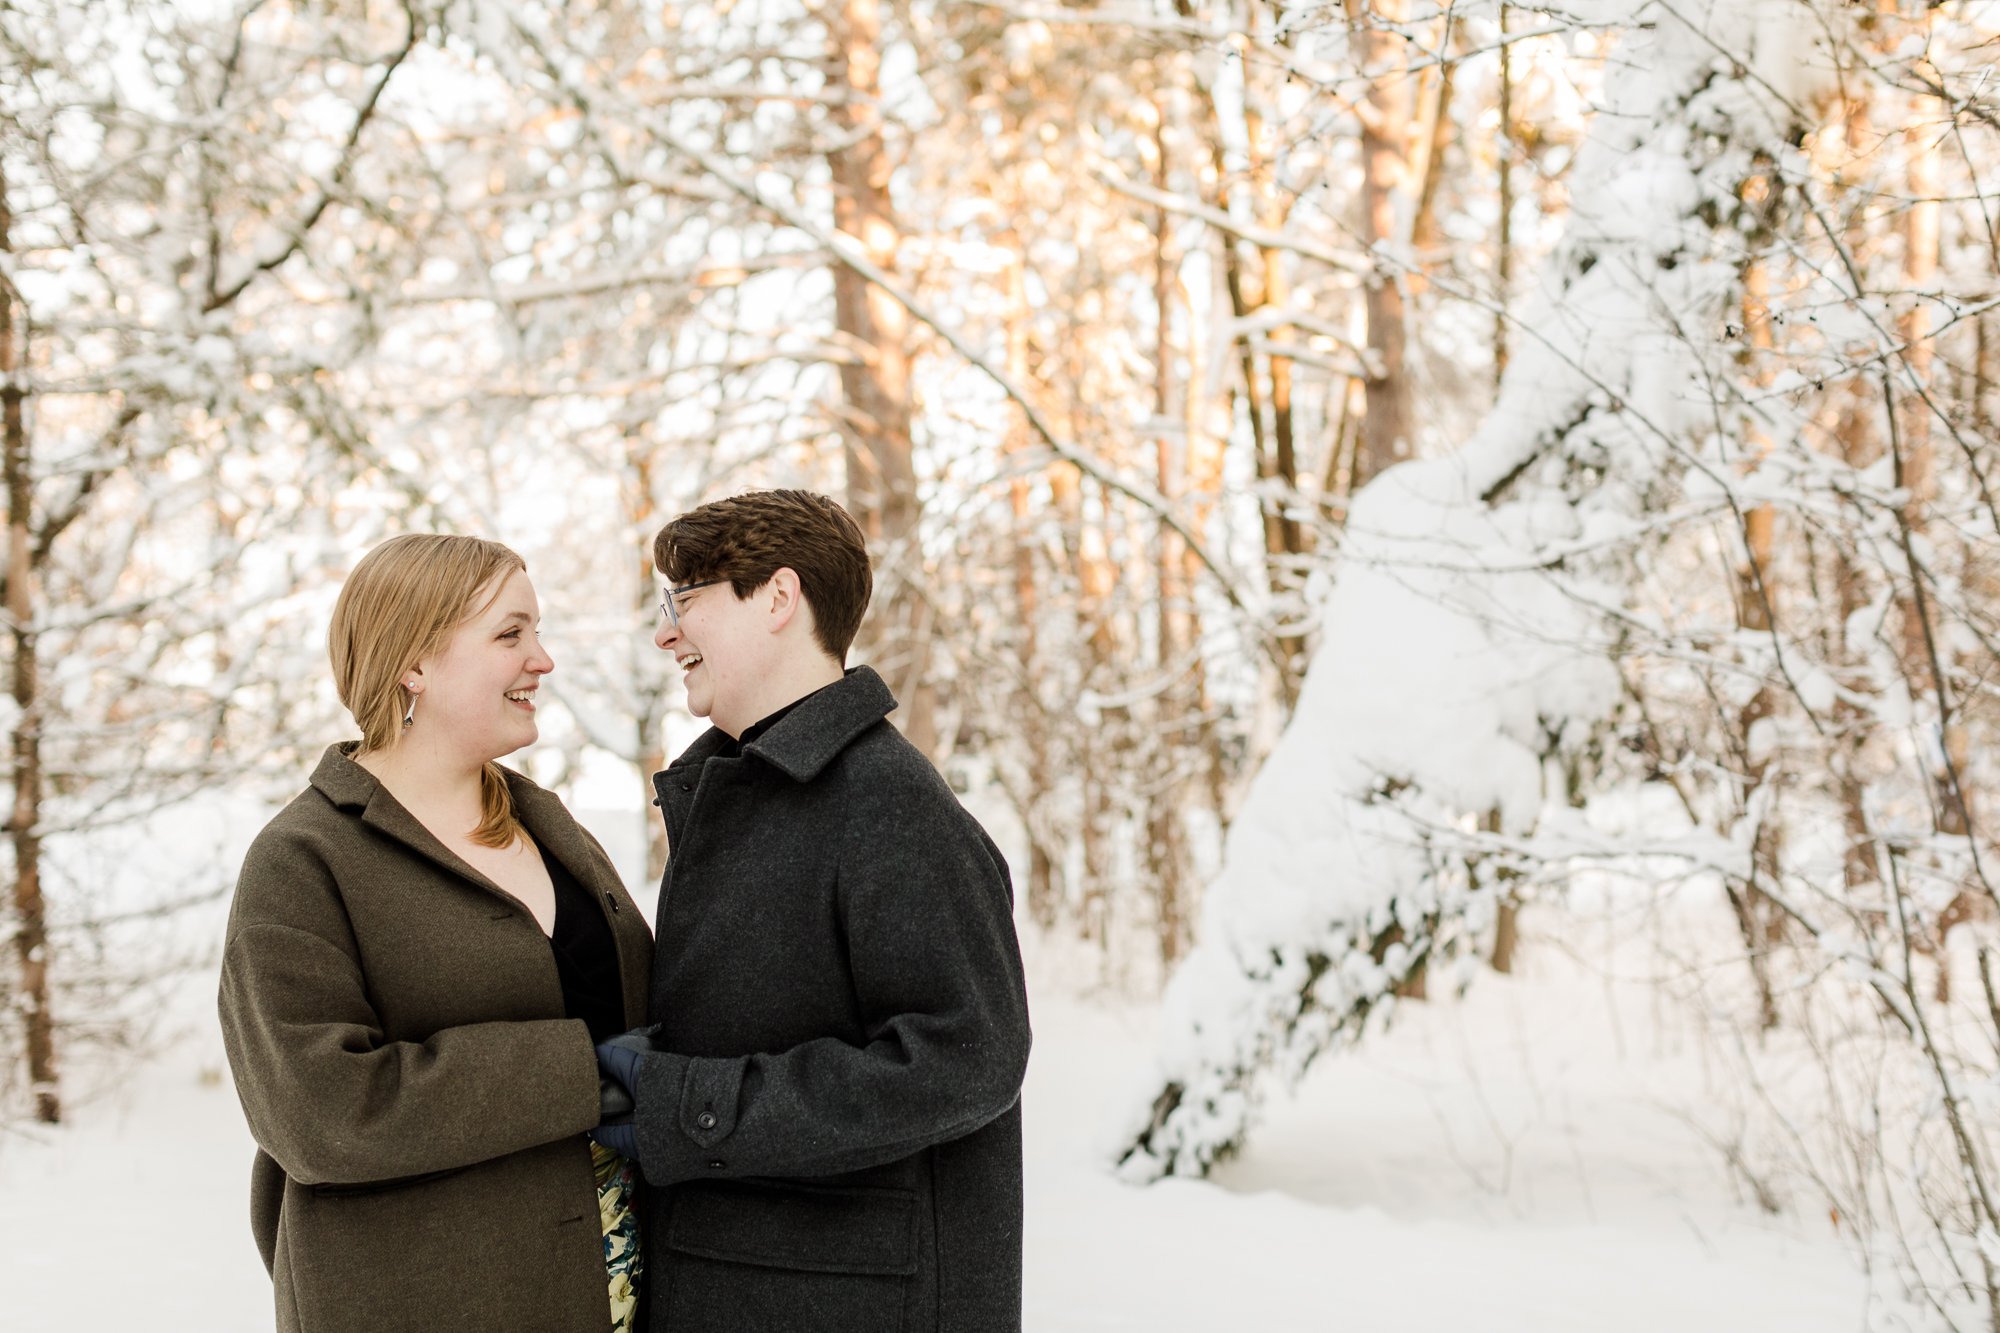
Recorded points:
1756,918
1426,154
1166,836
31,935
1043,894
1927,662
1507,908
1918,476
1503,257
649,740
1388,111
1273,443
881,467
1292,538
1852,426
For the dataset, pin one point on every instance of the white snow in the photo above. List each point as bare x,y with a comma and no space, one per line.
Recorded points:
1513,1161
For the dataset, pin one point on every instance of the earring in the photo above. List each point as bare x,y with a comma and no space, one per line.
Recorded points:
410,713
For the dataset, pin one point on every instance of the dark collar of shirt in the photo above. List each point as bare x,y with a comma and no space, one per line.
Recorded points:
760,726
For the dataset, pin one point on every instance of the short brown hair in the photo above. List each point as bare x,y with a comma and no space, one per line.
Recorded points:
748,538
400,605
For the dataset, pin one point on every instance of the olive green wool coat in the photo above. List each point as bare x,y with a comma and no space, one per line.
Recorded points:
394,1022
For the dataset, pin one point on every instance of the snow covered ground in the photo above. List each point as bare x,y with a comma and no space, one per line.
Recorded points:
1504,1162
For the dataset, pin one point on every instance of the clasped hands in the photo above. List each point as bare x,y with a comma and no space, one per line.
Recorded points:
618,1092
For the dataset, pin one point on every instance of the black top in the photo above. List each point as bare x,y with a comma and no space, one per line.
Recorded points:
586,955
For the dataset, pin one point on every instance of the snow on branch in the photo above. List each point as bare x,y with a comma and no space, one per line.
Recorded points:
1467,680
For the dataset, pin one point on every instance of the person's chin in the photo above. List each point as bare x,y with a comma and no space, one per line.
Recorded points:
524,732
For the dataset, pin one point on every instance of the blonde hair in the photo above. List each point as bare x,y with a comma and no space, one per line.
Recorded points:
399,606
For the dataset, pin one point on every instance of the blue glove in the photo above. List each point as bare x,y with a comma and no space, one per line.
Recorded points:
620,1135
618,1058
618,1092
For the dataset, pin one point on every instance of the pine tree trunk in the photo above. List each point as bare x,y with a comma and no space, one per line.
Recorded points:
1927,663
1859,871
1289,540
1503,258
31,935
1853,428
649,740
1166,838
1919,465
1427,153
1273,441
881,478
1387,429
1756,918
1043,892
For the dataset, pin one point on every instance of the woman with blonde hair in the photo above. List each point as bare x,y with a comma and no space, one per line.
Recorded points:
422,950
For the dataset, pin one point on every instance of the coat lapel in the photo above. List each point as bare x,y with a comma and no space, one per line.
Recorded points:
805,740
353,787
674,788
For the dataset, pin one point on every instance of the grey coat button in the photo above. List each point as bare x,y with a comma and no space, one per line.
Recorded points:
706,1120
717,1164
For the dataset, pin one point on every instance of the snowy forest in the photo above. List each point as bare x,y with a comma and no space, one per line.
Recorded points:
1378,504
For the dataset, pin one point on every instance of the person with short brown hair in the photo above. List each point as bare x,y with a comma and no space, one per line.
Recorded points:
746,539
828,1101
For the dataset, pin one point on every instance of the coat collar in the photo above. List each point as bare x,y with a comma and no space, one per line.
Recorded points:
804,741
352,787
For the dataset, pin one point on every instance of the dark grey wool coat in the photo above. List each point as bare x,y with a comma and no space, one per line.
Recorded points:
837,991
395,1025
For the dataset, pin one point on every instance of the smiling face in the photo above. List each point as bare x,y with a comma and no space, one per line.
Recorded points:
720,646
477,693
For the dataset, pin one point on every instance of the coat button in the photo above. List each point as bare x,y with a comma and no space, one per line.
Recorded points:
717,1165
687,786
706,1120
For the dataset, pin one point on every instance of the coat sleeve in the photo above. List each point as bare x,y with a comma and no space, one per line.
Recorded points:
936,967
326,1095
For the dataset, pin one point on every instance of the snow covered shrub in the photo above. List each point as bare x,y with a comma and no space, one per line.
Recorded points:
1710,595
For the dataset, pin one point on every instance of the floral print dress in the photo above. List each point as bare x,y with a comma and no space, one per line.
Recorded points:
618,1214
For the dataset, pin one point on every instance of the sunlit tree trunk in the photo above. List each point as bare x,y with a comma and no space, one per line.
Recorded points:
1852,431
1918,479
1103,756
875,383
1503,237
1426,155
649,734
1756,919
1928,660
1166,835
1043,889
1254,287
1387,114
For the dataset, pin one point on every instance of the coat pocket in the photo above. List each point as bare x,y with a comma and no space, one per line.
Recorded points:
798,1258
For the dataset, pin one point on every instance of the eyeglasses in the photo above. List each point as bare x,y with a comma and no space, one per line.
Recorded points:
670,607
